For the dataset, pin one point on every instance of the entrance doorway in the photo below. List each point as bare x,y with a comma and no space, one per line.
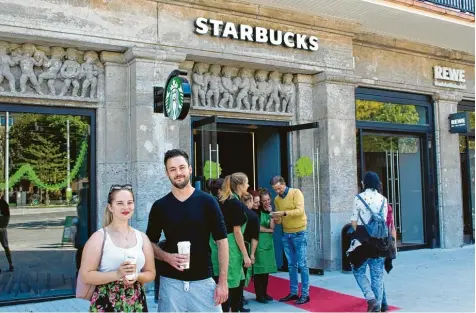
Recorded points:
398,161
260,149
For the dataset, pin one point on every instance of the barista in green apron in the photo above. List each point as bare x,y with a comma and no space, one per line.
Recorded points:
235,220
265,262
251,237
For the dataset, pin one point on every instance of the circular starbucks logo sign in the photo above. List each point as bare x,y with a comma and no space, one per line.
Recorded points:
174,98
177,96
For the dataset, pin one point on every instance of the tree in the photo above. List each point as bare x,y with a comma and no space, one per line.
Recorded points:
47,159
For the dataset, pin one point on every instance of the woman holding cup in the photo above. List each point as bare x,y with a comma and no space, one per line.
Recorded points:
118,259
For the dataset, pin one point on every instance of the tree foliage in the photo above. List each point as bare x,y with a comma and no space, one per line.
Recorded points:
38,142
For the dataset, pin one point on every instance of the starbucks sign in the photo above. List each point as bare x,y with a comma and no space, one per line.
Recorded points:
176,96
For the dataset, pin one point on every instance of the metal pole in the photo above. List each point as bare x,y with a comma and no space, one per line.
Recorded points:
7,165
69,192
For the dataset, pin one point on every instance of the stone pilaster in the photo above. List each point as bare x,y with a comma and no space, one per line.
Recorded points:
305,144
151,133
334,101
113,129
450,205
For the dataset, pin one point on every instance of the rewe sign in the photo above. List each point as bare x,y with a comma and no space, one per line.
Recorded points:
449,77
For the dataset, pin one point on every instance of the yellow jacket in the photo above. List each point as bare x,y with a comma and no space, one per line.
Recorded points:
293,204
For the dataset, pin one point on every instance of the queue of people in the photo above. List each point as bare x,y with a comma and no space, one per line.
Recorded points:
214,244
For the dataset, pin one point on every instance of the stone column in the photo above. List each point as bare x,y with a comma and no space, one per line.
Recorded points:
305,144
113,129
450,205
334,108
151,133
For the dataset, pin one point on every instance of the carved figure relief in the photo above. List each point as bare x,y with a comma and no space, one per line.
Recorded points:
5,62
214,86
48,70
228,87
199,83
287,93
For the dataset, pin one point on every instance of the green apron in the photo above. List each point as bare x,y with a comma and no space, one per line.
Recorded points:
265,259
235,263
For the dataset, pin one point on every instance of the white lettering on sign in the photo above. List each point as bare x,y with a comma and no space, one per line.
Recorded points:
449,77
244,32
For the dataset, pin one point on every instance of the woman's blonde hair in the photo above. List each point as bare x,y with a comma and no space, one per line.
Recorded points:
108,217
230,185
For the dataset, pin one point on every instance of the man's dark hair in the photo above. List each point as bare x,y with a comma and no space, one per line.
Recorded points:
371,181
277,179
175,153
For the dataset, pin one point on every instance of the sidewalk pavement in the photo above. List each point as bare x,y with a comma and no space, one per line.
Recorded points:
430,280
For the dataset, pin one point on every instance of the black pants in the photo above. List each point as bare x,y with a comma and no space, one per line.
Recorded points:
242,287
234,299
261,285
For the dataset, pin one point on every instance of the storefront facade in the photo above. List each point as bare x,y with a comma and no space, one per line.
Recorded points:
311,100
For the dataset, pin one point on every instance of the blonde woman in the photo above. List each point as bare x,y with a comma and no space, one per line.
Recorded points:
234,186
118,259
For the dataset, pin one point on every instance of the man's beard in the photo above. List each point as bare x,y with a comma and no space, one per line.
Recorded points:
183,184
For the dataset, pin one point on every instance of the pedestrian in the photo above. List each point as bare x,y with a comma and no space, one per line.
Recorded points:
4,220
368,248
265,256
289,204
118,259
188,216
251,236
234,186
392,253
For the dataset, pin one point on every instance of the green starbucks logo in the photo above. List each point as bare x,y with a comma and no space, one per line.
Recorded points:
174,98
177,96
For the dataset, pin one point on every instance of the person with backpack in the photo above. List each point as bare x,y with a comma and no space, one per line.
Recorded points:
370,244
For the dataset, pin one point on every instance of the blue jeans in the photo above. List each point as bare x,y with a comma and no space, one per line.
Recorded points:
373,289
295,248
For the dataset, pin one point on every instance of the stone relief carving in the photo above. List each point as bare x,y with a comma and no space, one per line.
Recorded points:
44,70
229,87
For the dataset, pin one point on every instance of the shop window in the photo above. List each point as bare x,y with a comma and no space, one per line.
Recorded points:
387,112
49,195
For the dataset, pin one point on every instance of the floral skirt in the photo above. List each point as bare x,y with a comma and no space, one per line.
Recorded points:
115,297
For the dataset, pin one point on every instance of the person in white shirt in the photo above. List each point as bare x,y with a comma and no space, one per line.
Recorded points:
377,203
118,259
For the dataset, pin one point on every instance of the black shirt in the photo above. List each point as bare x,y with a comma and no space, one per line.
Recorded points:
233,212
252,227
191,220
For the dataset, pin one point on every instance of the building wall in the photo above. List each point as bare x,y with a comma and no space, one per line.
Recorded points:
141,42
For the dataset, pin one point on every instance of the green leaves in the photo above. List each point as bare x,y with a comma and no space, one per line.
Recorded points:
303,167
211,170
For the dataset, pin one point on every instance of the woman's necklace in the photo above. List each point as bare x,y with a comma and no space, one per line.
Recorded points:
126,236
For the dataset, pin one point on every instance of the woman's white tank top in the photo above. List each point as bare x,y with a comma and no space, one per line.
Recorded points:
113,256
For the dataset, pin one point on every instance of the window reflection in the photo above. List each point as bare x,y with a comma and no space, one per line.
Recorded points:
376,111
48,195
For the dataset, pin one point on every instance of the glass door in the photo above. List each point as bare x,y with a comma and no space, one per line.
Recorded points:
398,162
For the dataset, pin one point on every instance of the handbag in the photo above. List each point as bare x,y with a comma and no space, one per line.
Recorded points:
83,290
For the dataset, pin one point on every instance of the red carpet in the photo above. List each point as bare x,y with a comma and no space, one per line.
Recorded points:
322,300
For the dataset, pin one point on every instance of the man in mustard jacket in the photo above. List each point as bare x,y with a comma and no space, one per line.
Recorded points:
289,204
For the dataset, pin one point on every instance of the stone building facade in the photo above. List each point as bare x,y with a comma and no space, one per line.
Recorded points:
108,56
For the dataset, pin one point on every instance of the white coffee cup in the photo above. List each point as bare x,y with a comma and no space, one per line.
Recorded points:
132,258
184,248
